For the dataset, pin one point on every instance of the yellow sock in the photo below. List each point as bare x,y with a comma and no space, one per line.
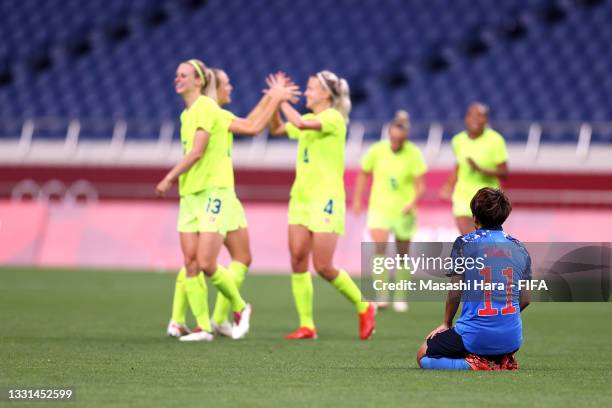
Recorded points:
301,286
237,271
350,290
383,294
179,302
402,274
225,284
197,294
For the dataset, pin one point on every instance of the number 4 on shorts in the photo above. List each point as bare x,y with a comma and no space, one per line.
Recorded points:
329,207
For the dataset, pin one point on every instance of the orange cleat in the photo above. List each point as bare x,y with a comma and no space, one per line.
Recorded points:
302,333
479,363
367,322
509,363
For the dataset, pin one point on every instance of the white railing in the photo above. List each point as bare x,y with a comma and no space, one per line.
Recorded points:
65,138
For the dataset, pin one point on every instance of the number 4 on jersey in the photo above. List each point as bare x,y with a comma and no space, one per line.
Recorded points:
329,207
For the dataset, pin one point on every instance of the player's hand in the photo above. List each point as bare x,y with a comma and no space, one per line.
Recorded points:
279,87
408,209
439,329
473,164
446,192
163,187
291,93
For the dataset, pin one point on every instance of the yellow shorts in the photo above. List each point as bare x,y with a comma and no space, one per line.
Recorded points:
238,218
402,226
318,215
211,210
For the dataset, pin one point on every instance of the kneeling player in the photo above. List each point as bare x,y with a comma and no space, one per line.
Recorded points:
489,331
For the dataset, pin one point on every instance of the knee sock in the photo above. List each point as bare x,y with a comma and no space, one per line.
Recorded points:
238,272
197,294
345,285
226,285
179,302
444,363
301,286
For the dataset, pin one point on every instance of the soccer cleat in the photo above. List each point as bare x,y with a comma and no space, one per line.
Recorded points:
509,363
224,329
367,322
401,307
177,329
383,304
242,321
198,335
478,363
302,333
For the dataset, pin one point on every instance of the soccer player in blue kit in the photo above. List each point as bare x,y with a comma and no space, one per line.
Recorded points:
489,331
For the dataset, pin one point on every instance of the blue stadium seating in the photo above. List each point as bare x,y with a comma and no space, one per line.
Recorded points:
530,60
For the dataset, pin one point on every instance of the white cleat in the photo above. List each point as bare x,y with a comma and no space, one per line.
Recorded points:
224,329
177,329
242,321
401,307
199,335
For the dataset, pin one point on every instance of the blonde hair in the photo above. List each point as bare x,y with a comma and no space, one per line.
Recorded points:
339,91
217,74
401,120
209,83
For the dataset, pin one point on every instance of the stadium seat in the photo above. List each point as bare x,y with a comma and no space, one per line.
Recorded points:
116,58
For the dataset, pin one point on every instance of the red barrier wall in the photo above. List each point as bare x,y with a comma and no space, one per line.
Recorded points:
266,185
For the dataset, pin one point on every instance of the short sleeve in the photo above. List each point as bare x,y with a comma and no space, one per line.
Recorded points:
206,115
227,117
526,275
456,252
455,143
420,167
369,159
331,120
500,152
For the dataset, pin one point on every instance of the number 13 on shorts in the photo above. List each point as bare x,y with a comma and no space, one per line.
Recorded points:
213,206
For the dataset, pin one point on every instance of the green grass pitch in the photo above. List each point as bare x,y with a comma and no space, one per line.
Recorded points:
103,333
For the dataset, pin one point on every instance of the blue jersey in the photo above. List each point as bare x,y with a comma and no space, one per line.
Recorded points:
490,322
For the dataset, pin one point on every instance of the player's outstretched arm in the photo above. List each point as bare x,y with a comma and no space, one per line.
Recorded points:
419,189
501,171
447,189
297,120
360,184
276,126
262,115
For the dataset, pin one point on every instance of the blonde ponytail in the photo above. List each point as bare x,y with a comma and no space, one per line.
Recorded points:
210,88
343,100
339,90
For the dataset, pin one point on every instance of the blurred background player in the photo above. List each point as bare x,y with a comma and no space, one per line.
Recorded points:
490,329
208,201
317,203
237,238
481,156
398,167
